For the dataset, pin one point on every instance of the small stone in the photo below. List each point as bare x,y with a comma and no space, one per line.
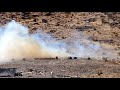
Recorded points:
35,20
52,31
44,21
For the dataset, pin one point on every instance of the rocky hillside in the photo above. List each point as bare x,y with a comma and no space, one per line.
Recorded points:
100,27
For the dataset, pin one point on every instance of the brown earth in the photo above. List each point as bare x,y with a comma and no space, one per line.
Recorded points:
102,27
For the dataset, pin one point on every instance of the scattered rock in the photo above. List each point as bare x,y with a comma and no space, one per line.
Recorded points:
91,20
18,74
26,15
35,15
52,31
34,20
83,28
62,76
30,76
63,37
57,24
44,21
36,23
52,74
30,70
99,72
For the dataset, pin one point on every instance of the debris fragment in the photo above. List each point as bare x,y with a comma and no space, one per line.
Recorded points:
89,58
56,57
75,57
70,57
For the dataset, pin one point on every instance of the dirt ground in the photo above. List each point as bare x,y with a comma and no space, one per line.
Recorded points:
65,68
102,27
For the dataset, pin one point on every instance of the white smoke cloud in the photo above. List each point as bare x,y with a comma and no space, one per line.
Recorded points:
17,43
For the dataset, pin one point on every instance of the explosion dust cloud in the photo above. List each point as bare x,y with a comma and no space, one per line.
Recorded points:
16,43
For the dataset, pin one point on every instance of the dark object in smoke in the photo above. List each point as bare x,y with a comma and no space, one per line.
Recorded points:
23,58
89,58
63,37
70,57
75,57
7,72
30,70
44,21
56,57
